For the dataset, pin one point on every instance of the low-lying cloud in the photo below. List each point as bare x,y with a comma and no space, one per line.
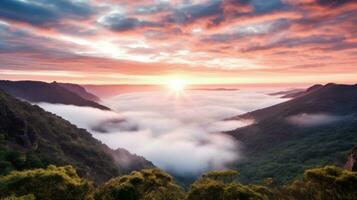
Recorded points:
314,119
181,134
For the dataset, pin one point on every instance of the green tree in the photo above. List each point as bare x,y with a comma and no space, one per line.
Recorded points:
327,182
223,185
50,183
147,184
25,197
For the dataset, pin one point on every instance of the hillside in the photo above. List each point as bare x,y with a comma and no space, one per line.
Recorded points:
315,129
36,91
294,93
32,138
79,90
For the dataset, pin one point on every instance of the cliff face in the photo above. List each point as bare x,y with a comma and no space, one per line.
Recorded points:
351,163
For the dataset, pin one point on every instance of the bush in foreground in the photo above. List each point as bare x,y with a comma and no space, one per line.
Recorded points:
61,183
50,183
223,185
148,184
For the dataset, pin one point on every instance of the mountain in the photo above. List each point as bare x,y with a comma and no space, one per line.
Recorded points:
314,129
297,92
79,90
33,138
36,91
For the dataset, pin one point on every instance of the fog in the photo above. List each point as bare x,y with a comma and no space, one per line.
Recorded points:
180,133
314,119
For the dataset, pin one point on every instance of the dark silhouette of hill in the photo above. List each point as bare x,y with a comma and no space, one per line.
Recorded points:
33,138
297,92
36,91
79,90
314,129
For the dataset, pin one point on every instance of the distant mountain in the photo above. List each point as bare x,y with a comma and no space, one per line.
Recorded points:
313,129
216,89
36,91
79,90
296,92
32,138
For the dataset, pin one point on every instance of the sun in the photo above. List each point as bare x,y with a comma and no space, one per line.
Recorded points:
176,85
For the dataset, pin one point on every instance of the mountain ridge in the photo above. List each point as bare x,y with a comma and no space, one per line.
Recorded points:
79,90
315,129
33,138
37,91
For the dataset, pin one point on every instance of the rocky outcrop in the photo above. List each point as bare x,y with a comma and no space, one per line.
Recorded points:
351,163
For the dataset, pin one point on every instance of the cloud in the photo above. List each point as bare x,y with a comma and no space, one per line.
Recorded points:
44,13
190,13
222,126
99,37
310,120
179,134
268,27
118,22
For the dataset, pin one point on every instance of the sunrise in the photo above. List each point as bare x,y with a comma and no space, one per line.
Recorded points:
178,99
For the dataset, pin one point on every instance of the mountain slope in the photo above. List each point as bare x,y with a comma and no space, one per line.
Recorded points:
79,90
33,138
294,93
317,128
36,91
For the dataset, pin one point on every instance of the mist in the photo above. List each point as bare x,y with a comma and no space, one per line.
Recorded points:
314,119
178,133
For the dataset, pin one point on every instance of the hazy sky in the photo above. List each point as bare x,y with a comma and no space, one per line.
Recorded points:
200,41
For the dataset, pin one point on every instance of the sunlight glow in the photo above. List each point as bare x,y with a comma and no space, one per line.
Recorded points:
176,85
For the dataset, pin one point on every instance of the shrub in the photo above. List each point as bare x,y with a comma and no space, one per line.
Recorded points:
50,183
148,184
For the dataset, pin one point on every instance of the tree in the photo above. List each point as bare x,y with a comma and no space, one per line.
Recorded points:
147,184
25,197
50,183
224,185
327,182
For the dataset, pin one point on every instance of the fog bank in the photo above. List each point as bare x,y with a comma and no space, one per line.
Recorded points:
180,133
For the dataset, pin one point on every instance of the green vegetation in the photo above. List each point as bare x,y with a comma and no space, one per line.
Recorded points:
51,183
25,197
147,184
60,183
223,185
311,147
328,182
282,160
33,138
276,148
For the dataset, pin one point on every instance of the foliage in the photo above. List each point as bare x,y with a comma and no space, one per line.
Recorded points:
322,183
25,197
148,184
327,182
276,148
50,183
33,138
223,185
305,148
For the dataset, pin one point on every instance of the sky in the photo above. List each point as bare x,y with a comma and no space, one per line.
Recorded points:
198,41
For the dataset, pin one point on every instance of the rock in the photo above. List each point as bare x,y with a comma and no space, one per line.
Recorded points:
351,163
